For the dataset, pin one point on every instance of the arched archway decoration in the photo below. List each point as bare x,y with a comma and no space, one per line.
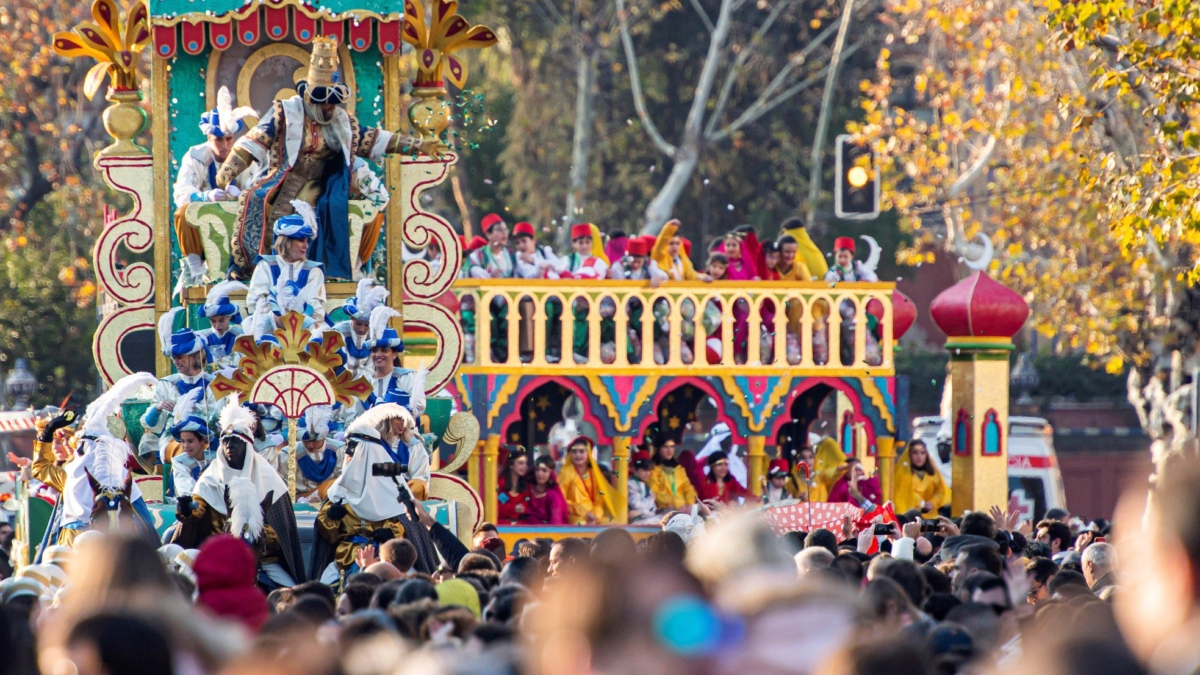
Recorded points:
962,433
991,434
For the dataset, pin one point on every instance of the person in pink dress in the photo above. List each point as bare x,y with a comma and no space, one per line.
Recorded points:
742,249
545,503
855,487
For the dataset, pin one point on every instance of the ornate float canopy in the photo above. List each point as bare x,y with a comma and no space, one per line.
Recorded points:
979,307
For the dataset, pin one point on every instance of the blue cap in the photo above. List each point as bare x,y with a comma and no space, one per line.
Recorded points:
210,124
389,339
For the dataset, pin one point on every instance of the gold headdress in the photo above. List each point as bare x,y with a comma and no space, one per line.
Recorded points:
321,85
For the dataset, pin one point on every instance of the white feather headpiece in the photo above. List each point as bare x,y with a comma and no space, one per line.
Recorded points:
185,407
374,418
166,326
228,115
237,420
369,295
95,420
379,321
222,290
317,419
307,212
108,462
262,322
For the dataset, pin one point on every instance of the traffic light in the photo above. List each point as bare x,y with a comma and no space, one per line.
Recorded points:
856,185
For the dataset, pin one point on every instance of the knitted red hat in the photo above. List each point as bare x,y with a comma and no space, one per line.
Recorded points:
581,230
523,229
687,246
844,242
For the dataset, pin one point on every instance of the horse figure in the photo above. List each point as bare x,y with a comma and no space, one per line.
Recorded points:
113,501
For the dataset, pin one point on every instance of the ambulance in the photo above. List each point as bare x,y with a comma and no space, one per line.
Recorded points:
1033,474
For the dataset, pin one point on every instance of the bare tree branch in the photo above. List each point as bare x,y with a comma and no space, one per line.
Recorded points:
635,84
708,74
736,69
703,15
762,107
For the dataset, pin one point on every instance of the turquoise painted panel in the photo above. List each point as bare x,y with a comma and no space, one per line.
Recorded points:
171,8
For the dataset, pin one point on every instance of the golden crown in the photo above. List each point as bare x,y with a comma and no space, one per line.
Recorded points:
324,62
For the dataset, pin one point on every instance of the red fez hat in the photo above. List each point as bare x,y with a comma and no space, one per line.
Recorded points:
639,456
687,246
778,467
523,229
462,242
581,230
844,242
637,246
477,242
491,220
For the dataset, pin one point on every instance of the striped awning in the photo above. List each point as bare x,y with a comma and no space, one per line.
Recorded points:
275,20
16,420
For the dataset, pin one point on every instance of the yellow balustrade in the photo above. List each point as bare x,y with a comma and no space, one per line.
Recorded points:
757,304
620,460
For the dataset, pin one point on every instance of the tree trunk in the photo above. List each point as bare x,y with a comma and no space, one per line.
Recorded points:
585,96
814,171
658,212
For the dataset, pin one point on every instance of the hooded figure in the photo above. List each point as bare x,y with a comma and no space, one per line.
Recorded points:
224,571
99,466
589,496
364,507
308,144
242,494
830,466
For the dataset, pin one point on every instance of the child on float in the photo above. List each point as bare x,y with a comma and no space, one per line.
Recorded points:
224,320
289,271
513,485
587,262
642,505
534,262
545,502
846,268
669,481
716,268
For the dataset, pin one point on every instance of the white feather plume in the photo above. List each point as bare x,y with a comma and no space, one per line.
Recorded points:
222,290
236,419
245,514
186,405
227,114
873,258
108,462
369,295
375,417
379,320
307,212
166,325
286,296
261,322
95,420
317,418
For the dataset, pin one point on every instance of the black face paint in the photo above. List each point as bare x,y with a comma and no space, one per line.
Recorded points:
235,452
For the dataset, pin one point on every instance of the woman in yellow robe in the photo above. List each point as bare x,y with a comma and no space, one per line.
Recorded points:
669,480
589,496
830,465
918,483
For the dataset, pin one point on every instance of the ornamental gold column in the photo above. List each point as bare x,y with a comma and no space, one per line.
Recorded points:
491,451
979,315
620,460
756,454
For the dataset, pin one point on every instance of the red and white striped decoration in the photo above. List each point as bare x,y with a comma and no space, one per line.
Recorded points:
809,516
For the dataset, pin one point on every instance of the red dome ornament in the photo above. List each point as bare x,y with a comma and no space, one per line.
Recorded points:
979,307
904,314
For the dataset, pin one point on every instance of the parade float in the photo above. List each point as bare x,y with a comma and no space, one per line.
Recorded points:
490,383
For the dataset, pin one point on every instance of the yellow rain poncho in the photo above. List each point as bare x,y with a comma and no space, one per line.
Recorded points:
829,460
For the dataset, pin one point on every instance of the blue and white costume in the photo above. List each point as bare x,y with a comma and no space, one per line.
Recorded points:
317,469
367,297
157,421
217,304
398,385
280,282
186,470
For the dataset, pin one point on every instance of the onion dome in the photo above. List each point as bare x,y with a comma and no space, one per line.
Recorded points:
904,314
979,306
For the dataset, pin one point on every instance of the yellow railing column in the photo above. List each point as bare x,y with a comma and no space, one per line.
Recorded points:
491,451
886,456
757,453
620,460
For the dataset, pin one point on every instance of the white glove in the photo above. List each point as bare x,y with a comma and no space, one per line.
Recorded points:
416,400
217,195
233,191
